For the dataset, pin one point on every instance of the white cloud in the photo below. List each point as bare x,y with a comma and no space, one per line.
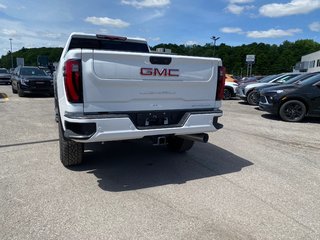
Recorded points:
27,35
231,30
237,9
158,13
155,39
12,29
273,33
315,26
105,21
146,3
51,35
9,32
241,1
151,15
291,8
2,6
191,43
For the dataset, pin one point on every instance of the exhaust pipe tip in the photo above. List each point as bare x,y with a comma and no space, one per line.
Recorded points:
205,138
201,137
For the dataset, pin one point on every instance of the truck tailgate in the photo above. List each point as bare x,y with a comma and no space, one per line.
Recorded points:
122,82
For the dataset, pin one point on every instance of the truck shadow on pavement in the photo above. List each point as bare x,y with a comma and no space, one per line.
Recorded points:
132,165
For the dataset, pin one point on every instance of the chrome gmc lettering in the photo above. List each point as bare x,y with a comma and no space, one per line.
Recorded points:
165,72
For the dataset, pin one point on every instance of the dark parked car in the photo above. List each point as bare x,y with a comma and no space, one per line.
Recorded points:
298,78
31,80
274,85
248,93
5,76
292,102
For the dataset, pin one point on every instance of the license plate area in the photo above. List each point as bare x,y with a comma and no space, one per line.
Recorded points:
40,83
152,119
156,118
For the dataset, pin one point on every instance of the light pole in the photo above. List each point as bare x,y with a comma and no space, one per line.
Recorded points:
11,52
214,38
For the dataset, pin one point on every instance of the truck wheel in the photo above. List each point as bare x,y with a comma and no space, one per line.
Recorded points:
176,144
71,153
253,98
292,111
227,94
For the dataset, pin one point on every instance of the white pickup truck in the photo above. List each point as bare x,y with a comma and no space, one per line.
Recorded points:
110,88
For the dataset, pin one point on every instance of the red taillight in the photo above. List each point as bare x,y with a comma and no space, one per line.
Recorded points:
73,81
221,81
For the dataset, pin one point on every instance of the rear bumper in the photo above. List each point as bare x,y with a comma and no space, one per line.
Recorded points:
114,127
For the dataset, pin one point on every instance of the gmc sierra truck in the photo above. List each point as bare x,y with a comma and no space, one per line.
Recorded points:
110,88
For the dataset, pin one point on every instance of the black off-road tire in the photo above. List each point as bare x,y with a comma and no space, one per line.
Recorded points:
292,111
253,98
227,94
71,153
179,145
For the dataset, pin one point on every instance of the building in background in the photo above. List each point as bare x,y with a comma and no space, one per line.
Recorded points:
309,63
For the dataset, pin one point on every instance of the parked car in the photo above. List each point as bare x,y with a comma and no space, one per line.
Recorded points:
229,90
255,94
230,78
298,78
250,79
242,85
5,76
292,102
247,92
27,79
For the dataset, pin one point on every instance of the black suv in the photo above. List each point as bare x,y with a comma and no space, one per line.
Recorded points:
292,102
31,80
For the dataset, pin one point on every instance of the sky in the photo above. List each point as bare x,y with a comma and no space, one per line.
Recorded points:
43,23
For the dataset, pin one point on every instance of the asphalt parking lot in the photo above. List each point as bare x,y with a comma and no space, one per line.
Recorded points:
257,178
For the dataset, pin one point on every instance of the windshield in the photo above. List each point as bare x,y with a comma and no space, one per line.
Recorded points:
286,78
310,80
268,78
301,78
32,72
3,71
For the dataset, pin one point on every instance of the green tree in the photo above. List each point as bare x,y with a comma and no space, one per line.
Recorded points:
270,59
30,56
